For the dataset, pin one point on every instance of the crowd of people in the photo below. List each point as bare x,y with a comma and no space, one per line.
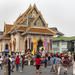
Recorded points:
56,62
8,62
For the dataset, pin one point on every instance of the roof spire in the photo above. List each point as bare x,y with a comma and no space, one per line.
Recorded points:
30,6
4,23
34,5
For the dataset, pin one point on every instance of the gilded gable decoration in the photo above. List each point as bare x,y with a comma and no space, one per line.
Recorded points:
39,22
33,13
23,16
25,22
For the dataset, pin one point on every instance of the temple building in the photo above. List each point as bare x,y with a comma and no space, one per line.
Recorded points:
29,31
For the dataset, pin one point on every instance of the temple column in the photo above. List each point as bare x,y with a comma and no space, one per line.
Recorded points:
27,38
12,39
25,45
17,42
3,47
29,43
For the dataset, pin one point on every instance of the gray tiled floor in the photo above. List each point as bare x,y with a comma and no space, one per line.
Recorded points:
30,70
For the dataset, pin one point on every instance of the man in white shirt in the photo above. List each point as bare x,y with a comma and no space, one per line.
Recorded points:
58,63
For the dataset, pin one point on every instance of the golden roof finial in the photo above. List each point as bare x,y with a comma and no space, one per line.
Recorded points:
34,5
30,6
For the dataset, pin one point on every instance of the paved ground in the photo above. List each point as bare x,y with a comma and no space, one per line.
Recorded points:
30,70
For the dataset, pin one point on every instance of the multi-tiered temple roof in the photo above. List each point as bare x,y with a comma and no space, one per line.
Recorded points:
31,21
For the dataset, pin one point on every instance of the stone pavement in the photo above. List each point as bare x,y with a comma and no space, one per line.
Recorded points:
30,70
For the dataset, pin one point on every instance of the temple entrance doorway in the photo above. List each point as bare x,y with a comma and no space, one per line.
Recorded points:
6,46
39,45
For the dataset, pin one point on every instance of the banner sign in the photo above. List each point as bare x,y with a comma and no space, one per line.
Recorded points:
45,44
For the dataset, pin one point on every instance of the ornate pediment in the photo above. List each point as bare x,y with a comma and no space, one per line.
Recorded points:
32,16
33,13
39,22
24,22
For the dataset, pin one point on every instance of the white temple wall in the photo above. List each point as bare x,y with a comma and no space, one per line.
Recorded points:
0,46
17,37
22,48
12,39
20,41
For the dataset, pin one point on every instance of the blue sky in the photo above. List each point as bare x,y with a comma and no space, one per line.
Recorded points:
57,13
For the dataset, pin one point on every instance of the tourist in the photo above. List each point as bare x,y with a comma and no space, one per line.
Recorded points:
74,65
52,66
13,64
37,61
9,61
1,62
58,63
21,59
49,57
54,63
17,63
5,65
45,62
23,62
65,64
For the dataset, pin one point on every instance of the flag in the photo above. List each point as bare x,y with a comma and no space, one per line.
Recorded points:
9,52
33,52
34,44
45,43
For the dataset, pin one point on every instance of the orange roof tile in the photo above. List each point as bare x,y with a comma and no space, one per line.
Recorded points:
22,28
8,27
40,30
6,36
